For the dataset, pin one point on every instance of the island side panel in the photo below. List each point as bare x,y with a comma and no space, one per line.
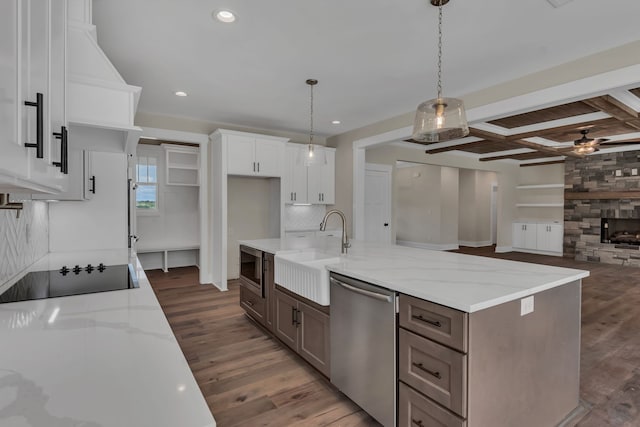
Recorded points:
525,370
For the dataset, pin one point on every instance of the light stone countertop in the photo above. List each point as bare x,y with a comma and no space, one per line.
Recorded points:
464,282
107,359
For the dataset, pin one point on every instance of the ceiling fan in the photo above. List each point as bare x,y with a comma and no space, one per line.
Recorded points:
586,145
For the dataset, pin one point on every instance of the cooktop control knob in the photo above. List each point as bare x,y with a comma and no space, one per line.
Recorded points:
102,267
64,270
77,269
89,268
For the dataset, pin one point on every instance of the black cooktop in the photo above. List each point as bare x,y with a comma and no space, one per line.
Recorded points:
71,281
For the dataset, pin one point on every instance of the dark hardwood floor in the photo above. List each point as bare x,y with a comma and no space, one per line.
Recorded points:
250,379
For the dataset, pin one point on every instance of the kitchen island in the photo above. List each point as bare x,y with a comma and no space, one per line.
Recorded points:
105,359
480,341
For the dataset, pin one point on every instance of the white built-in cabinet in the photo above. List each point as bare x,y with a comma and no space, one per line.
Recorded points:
538,237
254,155
82,181
313,184
33,90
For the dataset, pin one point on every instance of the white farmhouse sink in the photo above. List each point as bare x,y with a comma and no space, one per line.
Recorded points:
304,273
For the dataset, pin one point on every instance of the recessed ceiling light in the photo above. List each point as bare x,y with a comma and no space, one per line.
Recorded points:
181,93
225,16
336,122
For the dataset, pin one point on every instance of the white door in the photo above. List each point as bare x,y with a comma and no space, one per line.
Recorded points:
296,175
377,203
519,235
531,236
556,237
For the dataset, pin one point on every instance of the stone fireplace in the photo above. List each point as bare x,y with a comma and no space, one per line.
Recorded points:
602,208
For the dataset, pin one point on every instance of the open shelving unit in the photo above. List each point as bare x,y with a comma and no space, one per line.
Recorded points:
183,165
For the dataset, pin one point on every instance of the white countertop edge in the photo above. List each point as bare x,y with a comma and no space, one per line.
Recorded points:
454,303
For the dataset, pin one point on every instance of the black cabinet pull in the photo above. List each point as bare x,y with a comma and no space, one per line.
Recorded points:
417,422
428,371
39,145
63,164
431,322
293,316
93,184
386,224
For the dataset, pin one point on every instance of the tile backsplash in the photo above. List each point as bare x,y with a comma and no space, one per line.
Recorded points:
299,217
23,240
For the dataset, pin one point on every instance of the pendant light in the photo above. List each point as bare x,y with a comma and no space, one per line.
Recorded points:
314,155
440,119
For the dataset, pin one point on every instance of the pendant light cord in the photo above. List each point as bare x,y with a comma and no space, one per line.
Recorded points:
440,50
311,118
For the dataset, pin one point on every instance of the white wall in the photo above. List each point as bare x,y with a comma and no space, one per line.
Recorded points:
99,223
23,240
475,207
249,215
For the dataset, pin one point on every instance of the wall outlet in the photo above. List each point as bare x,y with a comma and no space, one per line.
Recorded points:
634,171
526,305
619,172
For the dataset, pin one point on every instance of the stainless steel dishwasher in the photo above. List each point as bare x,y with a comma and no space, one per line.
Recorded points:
363,345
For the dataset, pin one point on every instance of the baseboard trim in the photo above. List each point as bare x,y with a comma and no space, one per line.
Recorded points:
472,244
537,252
503,249
430,246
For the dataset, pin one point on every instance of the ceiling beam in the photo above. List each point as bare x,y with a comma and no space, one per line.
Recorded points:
572,127
479,133
519,156
554,162
538,147
453,147
613,107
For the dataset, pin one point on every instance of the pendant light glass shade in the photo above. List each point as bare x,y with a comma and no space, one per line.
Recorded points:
440,119
313,155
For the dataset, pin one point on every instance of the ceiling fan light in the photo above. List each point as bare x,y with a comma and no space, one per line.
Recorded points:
439,120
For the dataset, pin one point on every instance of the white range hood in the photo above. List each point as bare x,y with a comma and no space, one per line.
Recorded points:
97,95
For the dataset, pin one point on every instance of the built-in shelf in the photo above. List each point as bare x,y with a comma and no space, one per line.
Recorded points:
539,186
539,205
183,164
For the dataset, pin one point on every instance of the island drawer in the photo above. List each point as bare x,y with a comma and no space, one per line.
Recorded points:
253,304
437,322
415,410
435,370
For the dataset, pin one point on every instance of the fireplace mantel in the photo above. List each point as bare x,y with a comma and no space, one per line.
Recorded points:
601,195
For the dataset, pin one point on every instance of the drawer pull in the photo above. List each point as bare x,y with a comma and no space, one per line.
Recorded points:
435,323
249,303
428,371
418,422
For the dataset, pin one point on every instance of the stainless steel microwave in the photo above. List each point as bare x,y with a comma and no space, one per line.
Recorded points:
251,269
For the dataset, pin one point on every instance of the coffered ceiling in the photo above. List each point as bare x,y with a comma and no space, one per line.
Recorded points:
374,59
548,134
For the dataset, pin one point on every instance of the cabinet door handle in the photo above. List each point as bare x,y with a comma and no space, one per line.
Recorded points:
63,164
295,196
435,323
39,145
428,371
254,166
249,303
291,196
417,422
293,316
93,184
258,166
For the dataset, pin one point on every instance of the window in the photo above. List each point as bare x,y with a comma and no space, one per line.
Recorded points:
147,180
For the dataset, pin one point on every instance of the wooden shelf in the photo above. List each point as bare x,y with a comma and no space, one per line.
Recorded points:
539,205
539,186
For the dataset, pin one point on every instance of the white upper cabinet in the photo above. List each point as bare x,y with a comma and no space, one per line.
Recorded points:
14,159
254,155
32,93
309,184
295,175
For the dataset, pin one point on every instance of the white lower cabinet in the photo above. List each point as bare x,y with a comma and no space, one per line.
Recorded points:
544,237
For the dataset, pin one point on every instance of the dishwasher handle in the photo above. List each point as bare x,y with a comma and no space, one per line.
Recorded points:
381,297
